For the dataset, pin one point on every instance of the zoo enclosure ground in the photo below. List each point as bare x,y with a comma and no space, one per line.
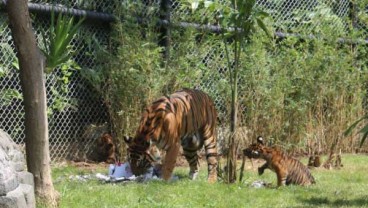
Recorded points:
345,187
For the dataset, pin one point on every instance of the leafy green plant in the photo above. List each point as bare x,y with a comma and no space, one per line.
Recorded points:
363,130
59,91
320,21
57,44
7,53
361,10
8,95
300,92
130,72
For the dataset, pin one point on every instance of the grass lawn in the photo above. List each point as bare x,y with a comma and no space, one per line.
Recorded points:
347,187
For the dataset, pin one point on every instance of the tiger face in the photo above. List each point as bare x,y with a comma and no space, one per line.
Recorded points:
256,150
139,156
252,151
105,149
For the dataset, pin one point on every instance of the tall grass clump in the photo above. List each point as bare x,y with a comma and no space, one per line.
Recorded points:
304,92
301,91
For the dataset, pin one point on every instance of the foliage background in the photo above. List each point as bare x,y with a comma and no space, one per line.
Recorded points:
301,90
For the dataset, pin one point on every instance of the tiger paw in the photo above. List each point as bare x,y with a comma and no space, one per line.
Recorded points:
174,178
193,175
260,171
212,179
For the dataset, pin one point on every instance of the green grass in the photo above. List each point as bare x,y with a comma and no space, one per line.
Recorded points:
346,187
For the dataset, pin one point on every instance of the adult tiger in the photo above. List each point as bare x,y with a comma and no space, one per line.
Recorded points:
288,170
187,117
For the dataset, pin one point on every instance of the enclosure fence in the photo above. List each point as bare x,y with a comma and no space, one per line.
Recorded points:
74,108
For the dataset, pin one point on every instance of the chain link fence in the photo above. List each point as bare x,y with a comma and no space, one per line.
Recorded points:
71,109
288,18
78,106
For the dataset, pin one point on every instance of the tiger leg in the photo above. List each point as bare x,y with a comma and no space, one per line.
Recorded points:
262,168
211,153
170,160
281,175
191,145
192,157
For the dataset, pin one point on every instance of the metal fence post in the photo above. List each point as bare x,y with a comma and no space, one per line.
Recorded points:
352,14
165,29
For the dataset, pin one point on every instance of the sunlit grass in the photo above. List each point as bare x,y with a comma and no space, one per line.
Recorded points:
334,188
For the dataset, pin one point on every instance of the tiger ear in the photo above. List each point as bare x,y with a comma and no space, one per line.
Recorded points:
260,140
128,139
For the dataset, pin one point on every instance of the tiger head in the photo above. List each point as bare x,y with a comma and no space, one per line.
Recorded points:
141,155
256,150
105,148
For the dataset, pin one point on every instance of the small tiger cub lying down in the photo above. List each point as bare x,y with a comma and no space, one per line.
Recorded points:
288,170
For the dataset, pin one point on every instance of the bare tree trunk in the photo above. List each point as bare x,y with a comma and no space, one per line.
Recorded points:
232,153
232,156
31,65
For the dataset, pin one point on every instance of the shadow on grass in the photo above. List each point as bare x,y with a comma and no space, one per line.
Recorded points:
181,175
324,201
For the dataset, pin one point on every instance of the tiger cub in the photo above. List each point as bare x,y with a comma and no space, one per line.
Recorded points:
288,170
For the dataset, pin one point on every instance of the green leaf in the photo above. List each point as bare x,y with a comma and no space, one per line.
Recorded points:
263,14
3,71
15,64
194,4
8,95
353,126
364,129
363,139
57,48
208,4
263,27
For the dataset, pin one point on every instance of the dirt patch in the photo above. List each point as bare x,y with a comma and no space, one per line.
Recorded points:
84,166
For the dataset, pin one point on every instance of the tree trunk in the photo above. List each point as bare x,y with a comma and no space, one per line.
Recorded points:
31,64
231,157
232,154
